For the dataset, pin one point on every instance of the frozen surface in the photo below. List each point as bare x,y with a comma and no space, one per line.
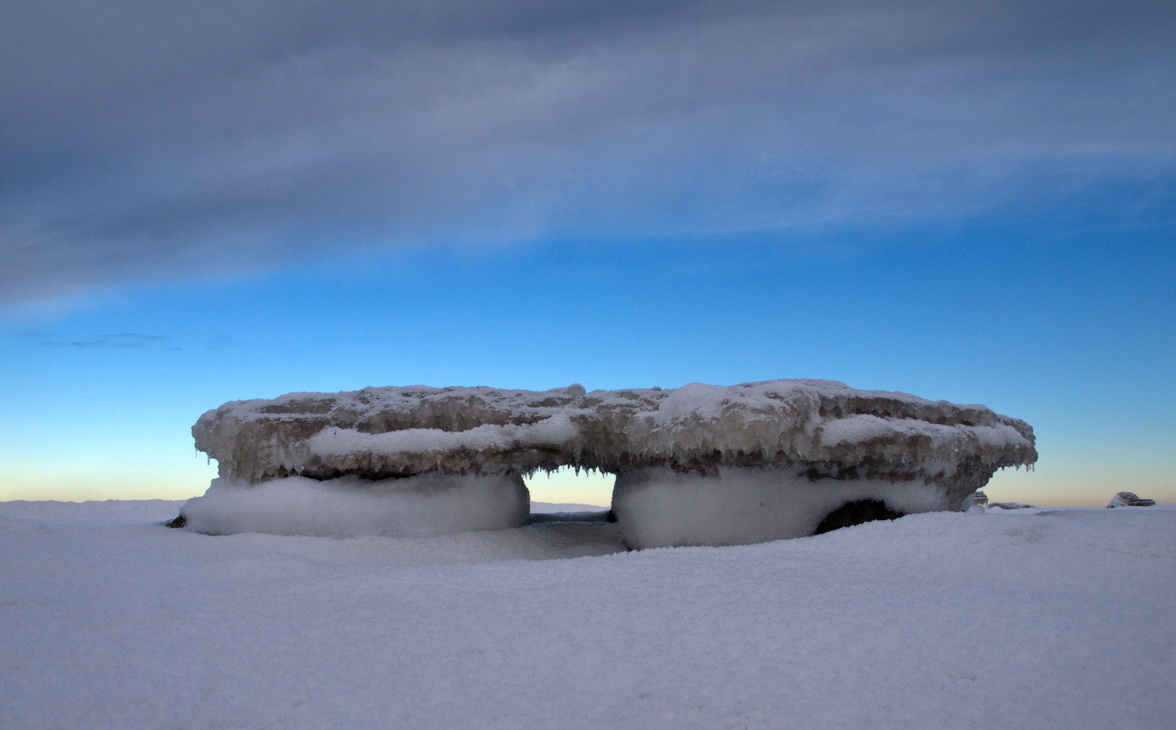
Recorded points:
557,507
424,505
664,508
699,465
1129,499
1024,619
395,432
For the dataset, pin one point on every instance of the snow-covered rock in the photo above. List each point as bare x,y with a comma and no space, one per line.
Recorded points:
1009,505
699,464
1130,499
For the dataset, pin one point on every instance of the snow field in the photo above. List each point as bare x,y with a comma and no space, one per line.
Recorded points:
1024,619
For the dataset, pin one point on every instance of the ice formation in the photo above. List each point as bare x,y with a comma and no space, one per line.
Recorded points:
1130,499
696,465
431,504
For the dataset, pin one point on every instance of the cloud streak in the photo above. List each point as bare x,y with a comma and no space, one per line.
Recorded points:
123,340
147,141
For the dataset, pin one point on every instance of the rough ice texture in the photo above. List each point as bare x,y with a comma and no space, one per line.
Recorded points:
699,464
838,432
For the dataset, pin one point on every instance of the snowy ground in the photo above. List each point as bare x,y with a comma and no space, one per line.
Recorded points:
1024,619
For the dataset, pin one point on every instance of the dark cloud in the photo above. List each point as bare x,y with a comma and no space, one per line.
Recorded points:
146,140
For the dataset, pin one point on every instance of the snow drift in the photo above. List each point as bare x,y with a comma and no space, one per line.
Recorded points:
695,465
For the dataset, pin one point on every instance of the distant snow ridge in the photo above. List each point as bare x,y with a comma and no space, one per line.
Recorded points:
696,465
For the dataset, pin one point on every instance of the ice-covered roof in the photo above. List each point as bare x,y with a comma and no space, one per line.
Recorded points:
836,430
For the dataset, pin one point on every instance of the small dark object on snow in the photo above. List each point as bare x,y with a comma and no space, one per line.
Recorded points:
856,513
179,521
1011,505
1129,499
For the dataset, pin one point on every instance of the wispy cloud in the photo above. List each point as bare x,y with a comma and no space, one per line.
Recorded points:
148,141
124,340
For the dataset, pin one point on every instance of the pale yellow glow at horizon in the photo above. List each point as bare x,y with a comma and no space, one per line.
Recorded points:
1074,485
68,482
1070,484
564,485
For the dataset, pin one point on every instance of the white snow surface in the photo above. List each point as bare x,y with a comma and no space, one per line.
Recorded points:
1023,619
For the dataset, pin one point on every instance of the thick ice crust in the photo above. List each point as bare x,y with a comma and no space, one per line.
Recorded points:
737,506
823,430
434,504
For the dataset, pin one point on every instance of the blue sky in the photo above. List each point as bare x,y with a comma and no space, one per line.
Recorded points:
947,203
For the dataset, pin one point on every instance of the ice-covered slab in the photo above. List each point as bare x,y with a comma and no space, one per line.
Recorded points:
802,443
381,433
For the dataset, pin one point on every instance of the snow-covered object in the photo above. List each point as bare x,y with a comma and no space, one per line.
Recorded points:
751,462
380,433
432,504
739,505
1130,499
1010,505
976,504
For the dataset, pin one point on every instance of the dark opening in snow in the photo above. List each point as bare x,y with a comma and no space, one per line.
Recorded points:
856,513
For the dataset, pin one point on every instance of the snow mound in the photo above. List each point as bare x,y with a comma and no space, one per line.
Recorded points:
663,508
436,504
700,464
1129,499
